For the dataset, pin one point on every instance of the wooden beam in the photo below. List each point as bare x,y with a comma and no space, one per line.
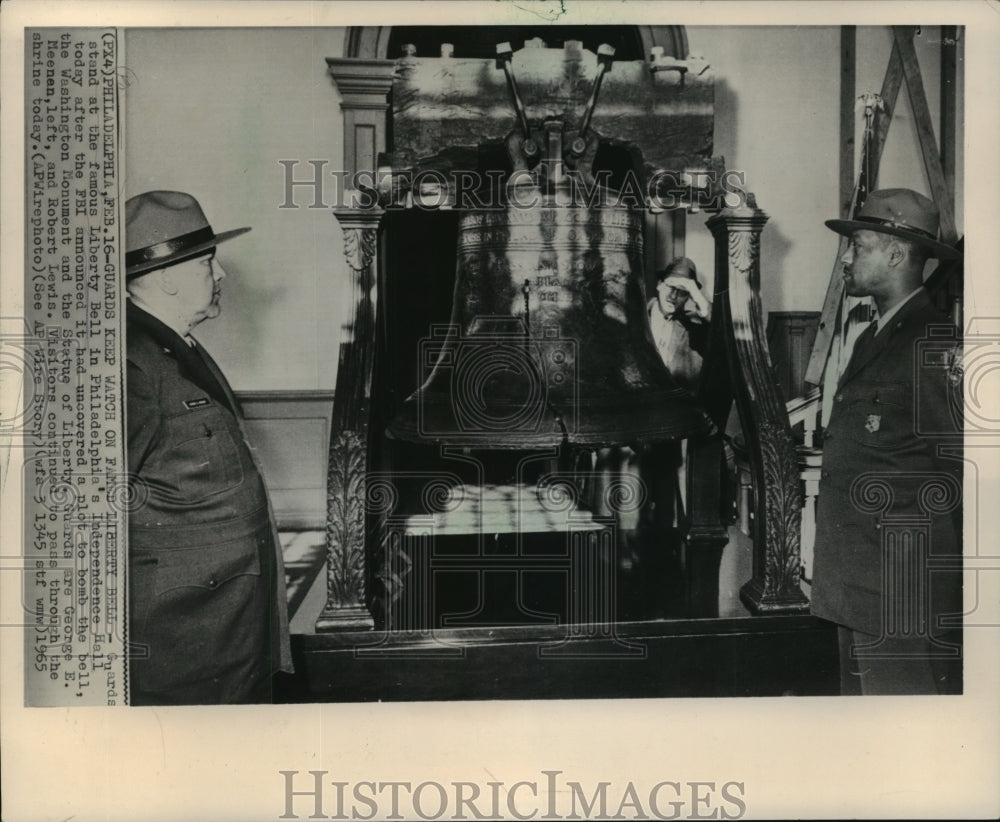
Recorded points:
848,71
831,302
891,84
925,132
949,105
835,285
827,320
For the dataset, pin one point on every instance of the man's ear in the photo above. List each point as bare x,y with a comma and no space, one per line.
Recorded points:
142,283
897,254
165,280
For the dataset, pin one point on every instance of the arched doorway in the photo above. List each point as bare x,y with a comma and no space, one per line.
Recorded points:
630,42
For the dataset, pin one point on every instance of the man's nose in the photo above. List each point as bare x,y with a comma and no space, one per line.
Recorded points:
218,272
847,256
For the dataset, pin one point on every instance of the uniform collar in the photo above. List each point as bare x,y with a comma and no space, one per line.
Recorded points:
195,363
883,321
169,322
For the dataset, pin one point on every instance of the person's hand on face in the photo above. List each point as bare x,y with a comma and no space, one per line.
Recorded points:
676,293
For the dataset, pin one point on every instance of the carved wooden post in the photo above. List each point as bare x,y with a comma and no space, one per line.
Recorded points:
777,507
707,534
364,87
348,465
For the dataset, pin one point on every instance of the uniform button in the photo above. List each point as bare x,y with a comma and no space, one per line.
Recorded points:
840,397
825,474
212,583
828,437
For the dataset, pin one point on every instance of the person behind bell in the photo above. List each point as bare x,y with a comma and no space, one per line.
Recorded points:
678,319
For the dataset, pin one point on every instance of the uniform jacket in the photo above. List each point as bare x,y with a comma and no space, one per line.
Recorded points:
208,618
883,472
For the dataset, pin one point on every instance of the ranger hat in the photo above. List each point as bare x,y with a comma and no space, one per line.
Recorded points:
902,213
163,228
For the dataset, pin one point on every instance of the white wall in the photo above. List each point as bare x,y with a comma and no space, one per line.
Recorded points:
902,160
211,112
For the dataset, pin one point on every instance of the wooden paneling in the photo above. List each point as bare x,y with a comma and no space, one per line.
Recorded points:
790,337
290,431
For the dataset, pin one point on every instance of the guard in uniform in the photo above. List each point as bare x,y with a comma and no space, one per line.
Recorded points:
888,532
208,618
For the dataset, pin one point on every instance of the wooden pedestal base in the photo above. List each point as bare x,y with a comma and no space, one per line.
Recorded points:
751,656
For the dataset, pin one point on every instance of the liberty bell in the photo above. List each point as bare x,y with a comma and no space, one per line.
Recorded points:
549,343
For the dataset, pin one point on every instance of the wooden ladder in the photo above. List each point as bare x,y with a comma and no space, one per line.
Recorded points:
939,167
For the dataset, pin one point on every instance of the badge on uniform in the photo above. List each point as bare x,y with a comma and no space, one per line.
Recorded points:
201,402
956,367
873,423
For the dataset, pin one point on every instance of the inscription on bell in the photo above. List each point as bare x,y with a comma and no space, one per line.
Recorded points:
583,268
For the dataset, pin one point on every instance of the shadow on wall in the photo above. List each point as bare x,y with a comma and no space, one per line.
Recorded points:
726,137
776,245
282,322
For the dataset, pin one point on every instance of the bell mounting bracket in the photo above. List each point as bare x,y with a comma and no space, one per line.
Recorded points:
546,147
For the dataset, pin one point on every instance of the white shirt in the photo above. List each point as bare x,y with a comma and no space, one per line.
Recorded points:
674,346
